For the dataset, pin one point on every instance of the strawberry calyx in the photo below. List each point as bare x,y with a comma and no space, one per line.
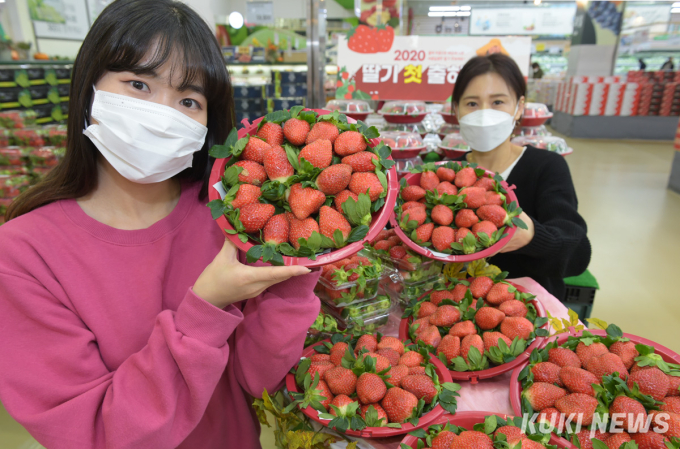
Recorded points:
311,396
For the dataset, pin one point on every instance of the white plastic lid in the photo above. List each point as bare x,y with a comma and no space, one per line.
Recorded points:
536,110
550,143
402,140
404,108
349,106
446,109
448,128
454,141
534,131
418,128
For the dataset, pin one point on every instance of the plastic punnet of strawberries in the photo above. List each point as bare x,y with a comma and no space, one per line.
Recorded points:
28,138
306,184
370,381
493,432
350,281
473,324
457,208
623,391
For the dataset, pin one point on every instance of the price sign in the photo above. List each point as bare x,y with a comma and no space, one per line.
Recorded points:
260,13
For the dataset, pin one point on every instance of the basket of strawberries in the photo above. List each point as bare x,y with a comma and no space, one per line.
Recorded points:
603,384
302,187
448,115
479,328
467,430
404,111
370,386
455,212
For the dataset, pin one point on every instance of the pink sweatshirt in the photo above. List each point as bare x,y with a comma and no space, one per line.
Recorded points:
104,344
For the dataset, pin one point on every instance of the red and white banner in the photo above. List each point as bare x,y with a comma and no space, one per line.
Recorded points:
415,67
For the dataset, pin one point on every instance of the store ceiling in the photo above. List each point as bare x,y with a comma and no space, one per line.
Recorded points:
421,7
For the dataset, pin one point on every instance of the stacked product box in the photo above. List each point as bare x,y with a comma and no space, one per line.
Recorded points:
249,102
287,89
598,96
650,99
43,89
416,275
670,102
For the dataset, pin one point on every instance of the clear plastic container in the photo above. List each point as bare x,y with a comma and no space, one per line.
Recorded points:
368,324
43,157
379,305
357,109
5,135
536,110
404,111
17,119
446,129
454,146
417,128
404,293
28,137
55,135
10,156
12,185
352,293
551,143
533,131
405,145
448,115
404,166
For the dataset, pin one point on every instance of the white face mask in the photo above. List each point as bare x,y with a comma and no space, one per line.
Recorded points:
145,142
486,129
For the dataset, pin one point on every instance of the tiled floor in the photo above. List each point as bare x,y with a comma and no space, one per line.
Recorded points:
634,227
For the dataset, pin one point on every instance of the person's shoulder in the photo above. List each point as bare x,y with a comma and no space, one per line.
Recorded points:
31,223
539,156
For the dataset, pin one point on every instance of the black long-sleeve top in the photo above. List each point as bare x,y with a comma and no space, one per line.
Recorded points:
560,247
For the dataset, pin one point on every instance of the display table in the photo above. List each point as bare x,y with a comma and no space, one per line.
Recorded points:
491,395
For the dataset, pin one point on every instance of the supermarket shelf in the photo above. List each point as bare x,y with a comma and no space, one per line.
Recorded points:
35,62
608,127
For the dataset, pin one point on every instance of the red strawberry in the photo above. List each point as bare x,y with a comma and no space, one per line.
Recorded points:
673,426
429,180
445,316
334,179
517,327
606,364
626,350
296,131
411,359
458,293
391,343
254,216
301,229
397,252
469,439
563,357
322,130
396,374
421,386
366,183
443,440
494,214
450,347
276,164
486,183
443,237
463,329
304,202
320,358
331,220
461,234
543,395
466,218
271,133
414,370
491,340
363,39
341,380
474,197
341,197
466,177
384,38
325,393
585,437
412,193
671,404
578,403
526,442
399,404
319,153
394,239
514,308
584,352
471,341
442,215
341,401
246,194
446,187
430,336
629,409
319,367
652,382
551,416
547,372
253,173
255,150
578,380
391,355
481,286
276,230
349,142
361,162
337,355
411,205
426,309
616,440
381,412
446,174
485,227
511,432
673,386
370,388
424,233
493,198
382,245
368,342
438,296
499,294
649,440
417,214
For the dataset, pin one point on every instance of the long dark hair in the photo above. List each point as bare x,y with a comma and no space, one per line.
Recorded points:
122,37
499,63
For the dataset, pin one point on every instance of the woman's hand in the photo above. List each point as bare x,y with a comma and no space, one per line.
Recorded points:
226,280
522,237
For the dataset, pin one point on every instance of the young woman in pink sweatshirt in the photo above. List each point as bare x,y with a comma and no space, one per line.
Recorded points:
126,320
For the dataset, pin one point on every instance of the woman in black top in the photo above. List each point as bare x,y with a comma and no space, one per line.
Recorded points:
488,100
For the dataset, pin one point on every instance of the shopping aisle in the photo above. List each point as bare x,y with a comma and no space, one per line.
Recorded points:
633,227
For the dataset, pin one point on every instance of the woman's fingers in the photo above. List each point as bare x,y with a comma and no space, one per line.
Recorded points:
274,275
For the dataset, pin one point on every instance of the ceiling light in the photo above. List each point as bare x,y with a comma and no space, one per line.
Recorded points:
675,10
236,20
465,8
676,5
537,2
444,8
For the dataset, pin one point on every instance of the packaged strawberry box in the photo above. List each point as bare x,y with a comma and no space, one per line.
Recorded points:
11,156
483,325
404,111
368,316
45,157
455,211
370,386
323,328
350,281
28,137
603,388
302,187
17,119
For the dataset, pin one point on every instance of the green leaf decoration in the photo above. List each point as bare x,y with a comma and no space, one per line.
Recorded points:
295,111
240,146
277,117
217,208
231,175
224,151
